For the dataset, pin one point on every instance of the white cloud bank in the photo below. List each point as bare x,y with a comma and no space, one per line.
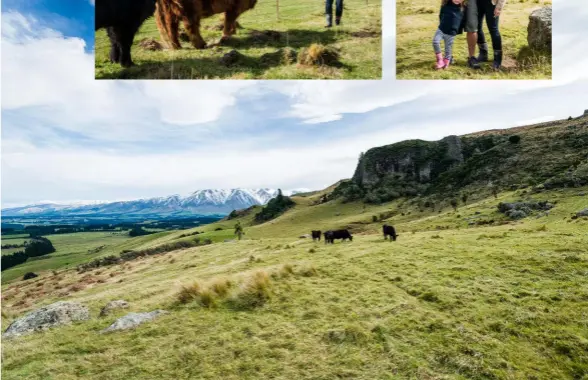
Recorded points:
50,78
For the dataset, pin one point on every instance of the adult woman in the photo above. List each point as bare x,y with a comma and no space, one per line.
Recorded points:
491,11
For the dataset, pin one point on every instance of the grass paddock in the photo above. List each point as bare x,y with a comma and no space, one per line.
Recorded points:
417,21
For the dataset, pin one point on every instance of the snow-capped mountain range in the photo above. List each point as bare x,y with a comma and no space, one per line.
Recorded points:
200,202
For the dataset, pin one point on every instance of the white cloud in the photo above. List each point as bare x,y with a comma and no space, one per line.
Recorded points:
50,77
53,76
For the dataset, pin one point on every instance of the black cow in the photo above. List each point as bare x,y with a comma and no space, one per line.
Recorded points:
389,231
316,235
122,19
330,236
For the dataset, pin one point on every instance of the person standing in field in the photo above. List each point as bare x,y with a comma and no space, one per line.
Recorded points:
329,12
491,10
450,23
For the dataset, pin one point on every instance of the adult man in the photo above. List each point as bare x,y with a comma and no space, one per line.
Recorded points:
471,28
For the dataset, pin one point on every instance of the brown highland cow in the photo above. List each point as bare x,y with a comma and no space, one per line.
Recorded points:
169,13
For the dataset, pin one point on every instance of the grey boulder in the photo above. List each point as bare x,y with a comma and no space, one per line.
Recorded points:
132,320
56,314
539,31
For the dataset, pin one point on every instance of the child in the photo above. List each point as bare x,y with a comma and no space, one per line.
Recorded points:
451,18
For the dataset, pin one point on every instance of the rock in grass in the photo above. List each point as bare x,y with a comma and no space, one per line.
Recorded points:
113,305
56,314
132,320
539,29
582,213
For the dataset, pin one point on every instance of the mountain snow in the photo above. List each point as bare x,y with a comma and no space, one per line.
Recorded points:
201,202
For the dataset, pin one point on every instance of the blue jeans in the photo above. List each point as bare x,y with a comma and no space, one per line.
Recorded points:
486,9
338,9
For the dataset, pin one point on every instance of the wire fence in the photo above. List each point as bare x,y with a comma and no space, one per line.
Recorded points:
284,11
287,10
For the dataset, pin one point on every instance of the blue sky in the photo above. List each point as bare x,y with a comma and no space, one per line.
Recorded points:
66,136
72,18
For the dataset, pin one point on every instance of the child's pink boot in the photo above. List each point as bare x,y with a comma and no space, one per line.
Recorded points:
440,64
446,62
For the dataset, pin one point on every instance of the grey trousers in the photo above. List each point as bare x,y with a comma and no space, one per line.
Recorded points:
439,35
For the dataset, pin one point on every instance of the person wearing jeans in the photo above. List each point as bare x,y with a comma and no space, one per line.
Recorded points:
329,12
491,10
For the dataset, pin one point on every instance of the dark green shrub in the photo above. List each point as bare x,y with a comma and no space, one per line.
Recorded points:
274,208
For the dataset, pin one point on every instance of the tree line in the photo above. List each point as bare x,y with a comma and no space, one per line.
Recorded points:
38,246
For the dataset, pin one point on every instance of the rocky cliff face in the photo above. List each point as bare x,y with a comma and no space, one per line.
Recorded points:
414,160
548,155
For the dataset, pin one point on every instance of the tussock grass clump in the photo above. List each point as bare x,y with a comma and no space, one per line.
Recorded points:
319,55
286,270
189,292
429,297
352,334
285,56
207,298
307,271
254,293
221,287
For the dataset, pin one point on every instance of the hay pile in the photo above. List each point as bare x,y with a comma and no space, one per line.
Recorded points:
319,55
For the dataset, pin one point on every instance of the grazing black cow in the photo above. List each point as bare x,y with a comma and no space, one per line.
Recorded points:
316,235
122,19
330,236
389,231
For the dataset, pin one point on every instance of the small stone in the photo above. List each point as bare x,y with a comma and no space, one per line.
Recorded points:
113,305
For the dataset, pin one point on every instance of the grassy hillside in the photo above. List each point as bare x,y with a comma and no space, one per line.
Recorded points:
300,24
448,300
417,21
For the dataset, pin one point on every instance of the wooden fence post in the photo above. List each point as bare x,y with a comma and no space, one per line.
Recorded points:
278,10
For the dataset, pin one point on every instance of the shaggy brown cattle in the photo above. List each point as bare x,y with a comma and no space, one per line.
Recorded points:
169,13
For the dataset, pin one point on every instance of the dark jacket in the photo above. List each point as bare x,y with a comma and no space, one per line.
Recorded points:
451,19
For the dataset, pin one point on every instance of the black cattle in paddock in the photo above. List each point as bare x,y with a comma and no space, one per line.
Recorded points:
389,231
330,236
122,19
316,235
